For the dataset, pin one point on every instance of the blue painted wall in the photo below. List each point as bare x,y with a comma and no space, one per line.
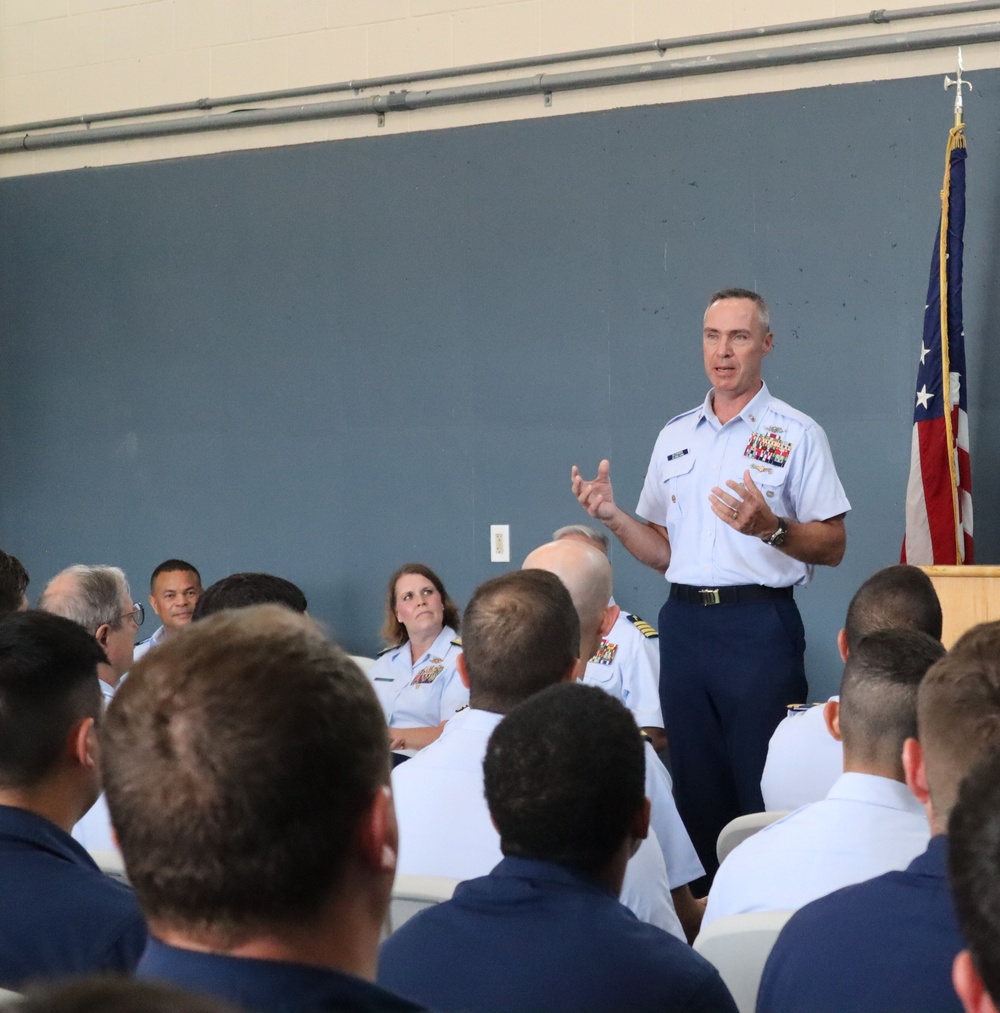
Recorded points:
325,360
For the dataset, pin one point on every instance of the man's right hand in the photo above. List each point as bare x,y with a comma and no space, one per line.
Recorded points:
596,496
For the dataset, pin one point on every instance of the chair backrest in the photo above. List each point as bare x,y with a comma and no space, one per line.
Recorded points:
7,996
738,830
411,894
738,946
110,863
362,662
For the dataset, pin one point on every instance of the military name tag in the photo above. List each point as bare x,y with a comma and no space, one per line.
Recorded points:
676,454
429,673
768,448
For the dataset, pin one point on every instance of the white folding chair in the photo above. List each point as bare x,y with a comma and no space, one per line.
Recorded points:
110,863
362,662
738,947
738,830
7,996
411,894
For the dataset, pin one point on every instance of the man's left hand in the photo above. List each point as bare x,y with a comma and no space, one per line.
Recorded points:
743,508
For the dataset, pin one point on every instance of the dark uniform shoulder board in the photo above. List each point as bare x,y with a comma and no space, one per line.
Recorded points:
386,650
643,627
457,641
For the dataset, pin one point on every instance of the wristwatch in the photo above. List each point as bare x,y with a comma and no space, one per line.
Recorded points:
780,536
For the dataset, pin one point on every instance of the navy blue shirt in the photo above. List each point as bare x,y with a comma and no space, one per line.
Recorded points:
59,914
537,936
876,947
266,986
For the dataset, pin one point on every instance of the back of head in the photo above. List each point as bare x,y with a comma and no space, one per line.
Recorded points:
238,758
520,634
13,583
112,994
48,683
958,713
564,777
241,590
878,697
583,532
896,598
89,595
172,566
586,572
974,867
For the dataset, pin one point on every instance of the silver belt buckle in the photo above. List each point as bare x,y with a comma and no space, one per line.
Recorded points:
709,595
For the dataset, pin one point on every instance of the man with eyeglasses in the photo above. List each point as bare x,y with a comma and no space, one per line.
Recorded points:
99,599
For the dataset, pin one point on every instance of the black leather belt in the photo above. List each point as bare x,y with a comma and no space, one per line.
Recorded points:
735,594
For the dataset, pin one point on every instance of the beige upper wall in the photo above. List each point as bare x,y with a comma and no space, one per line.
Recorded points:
72,57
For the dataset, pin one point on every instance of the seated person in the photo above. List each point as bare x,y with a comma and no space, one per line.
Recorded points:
247,777
545,930
13,584
174,590
889,943
59,914
241,590
869,822
415,676
803,761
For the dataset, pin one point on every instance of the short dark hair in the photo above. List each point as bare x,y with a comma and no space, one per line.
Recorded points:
878,694
172,566
974,867
237,760
393,631
565,776
113,994
240,590
958,712
520,634
48,682
763,312
896,598
13,583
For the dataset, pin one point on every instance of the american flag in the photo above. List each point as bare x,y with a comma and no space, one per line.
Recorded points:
939,492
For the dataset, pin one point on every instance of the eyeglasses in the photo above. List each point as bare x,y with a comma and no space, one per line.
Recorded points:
138,614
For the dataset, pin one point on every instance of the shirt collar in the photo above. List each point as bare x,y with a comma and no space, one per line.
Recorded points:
442,642
26,826
875,789
934,861
514,866
752,412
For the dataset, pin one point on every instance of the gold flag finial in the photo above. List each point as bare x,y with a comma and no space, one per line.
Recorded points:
958,82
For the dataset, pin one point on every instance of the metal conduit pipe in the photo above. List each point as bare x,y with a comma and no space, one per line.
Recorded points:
539,84
880,17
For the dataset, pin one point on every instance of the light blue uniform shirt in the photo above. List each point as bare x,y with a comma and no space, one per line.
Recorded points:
789,459
416,694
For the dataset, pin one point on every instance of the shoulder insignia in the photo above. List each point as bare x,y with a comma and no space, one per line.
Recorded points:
643,627
456,641
386,650
605,653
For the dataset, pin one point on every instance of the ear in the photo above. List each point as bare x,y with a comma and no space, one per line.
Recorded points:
842,644
611,614
831,715
577,670
81,743
101,636
152,605
378,836
915,771
768,342
463,671
969,986
639,830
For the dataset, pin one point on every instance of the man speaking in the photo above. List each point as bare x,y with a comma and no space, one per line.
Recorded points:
741,500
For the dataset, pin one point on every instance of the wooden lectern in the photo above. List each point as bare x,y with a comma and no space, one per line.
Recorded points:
969,595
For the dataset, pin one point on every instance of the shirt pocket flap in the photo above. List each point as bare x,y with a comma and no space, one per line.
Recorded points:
675,465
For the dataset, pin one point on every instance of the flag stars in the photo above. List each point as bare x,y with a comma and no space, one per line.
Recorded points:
924,396
924,352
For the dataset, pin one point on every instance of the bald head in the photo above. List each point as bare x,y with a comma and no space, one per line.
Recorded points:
586,572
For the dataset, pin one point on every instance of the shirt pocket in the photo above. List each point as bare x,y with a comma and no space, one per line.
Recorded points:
772,485
677,485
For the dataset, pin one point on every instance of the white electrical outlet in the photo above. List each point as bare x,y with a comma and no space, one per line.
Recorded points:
499,543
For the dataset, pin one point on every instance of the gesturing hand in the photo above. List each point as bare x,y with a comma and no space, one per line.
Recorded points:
744,509
596,496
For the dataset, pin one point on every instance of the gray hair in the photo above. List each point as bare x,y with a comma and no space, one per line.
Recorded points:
598,538
763,312
95,598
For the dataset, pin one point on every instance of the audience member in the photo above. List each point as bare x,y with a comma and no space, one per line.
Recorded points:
889,943
803,760
627,661
109,994
520,634
174,589
974,871
564,781
870,822
13,584
240,590
59,914
247,774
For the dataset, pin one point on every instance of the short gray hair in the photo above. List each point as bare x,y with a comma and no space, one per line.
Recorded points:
598,538
95,600
763,312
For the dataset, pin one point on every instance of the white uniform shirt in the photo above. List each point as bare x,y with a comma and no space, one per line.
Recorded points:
421,693
866,826
445,827
627,665
144,645
803,761
94,829
789,459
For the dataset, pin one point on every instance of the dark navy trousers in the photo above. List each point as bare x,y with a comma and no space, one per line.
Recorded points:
727,675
